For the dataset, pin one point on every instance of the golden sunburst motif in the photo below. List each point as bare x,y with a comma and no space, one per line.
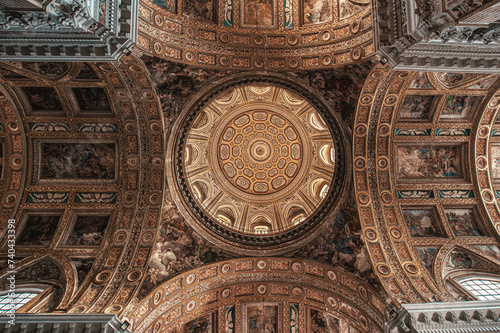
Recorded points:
259,159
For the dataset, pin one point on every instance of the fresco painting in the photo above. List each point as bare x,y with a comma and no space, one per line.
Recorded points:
458,107
42,99
199,9
1,159
453,80
428,162
341,246
82,266
258,13
422,222
495,161
460,259
294,318
203,324
417,107
463,222
427,255
92,100
491,250
321,322
420,81
484,83
229,319
177,82
87,74
349,8
169,5
262,318
39,230
88,230
316,11
78,160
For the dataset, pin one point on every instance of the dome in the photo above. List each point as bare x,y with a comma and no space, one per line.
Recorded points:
258,162
254,159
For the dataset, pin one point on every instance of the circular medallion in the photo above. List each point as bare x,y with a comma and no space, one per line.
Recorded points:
261,289
332,302
297,292
226,293
190,279
191,305
262,264
225,269
157,298
332,276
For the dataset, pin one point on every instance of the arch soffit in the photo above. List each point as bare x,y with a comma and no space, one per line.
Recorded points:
383,195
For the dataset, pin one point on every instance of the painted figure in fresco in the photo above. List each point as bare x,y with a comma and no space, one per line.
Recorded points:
420,82
427,255
42,99
416,107
92,99
317,11
421,222
39,230
78,160
426,162
320,323
351,7
88,230
457,106
495,160
460,260
202,9
462,222
491,250
200,325
258,12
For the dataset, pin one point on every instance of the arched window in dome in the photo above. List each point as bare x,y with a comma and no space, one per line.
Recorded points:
200,190
484,289
261,230
19,300
327,154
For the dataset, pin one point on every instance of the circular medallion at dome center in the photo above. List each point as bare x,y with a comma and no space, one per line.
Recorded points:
260,152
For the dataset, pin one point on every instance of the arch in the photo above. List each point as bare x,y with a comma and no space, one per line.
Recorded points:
286,284
48,277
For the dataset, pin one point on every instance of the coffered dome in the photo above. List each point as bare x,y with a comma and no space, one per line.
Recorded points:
258,161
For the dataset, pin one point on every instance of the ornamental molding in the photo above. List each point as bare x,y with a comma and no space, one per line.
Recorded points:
69,30
424,36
